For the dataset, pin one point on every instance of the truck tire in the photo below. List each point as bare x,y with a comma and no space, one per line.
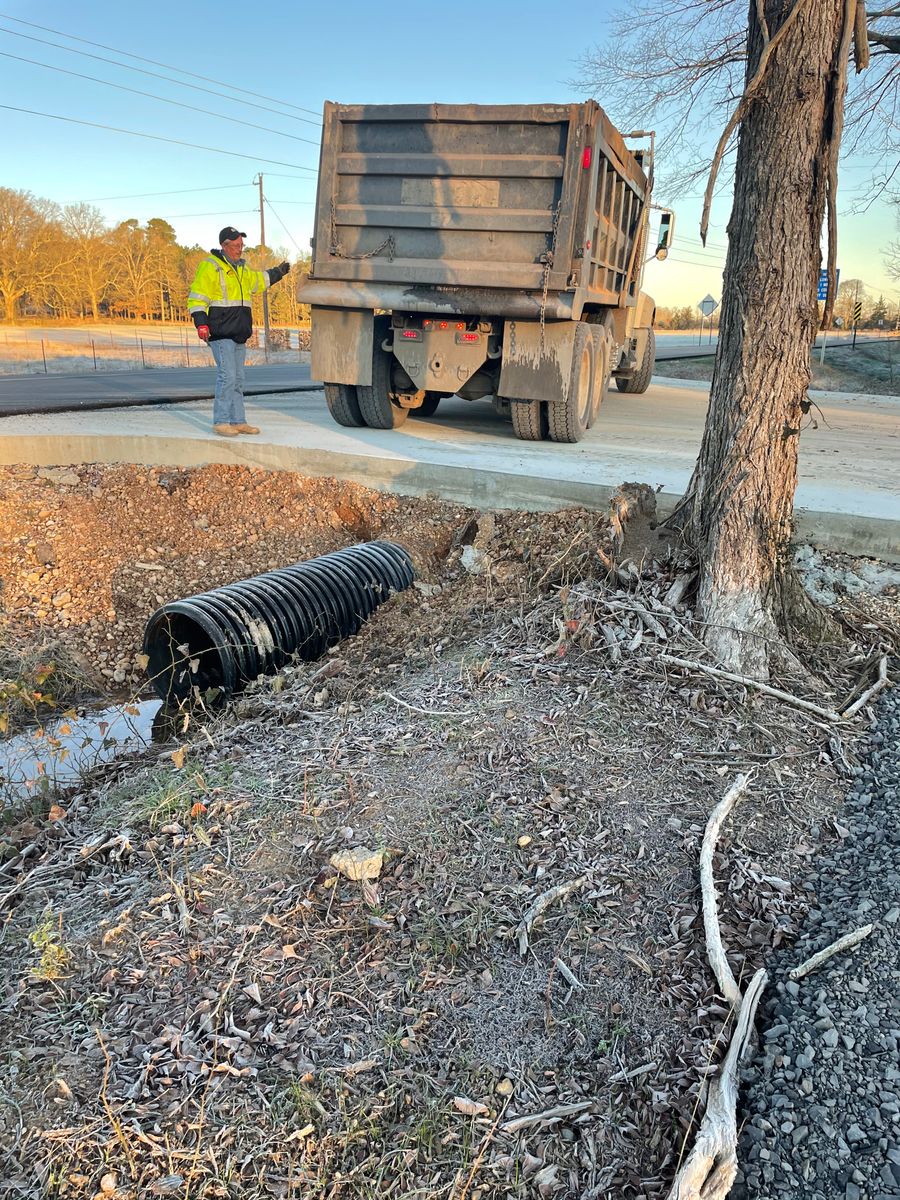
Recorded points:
569,421
343,404
529,420
378,410
601,377
429,405
638,383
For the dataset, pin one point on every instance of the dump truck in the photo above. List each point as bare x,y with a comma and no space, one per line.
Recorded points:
481,251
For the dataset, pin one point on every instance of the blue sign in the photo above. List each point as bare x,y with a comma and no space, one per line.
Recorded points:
823,283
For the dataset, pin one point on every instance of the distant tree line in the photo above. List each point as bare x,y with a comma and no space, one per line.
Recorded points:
876,312
66,263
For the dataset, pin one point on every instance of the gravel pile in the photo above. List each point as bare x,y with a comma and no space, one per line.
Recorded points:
821,1102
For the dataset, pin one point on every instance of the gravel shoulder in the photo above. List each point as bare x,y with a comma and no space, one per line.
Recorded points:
822,1098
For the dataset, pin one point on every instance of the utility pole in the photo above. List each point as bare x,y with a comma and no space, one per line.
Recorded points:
262,239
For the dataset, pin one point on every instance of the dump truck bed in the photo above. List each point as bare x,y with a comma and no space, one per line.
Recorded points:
540,199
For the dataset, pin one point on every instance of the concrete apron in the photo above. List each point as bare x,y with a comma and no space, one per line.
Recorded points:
876,537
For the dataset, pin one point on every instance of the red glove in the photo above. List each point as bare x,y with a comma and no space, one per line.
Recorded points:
203,333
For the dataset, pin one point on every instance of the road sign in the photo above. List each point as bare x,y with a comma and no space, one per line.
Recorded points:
823,283
857,312
707,305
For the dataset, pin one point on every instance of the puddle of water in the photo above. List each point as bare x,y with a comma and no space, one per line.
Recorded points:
60,752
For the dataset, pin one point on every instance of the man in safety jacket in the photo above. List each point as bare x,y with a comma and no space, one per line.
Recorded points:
219,305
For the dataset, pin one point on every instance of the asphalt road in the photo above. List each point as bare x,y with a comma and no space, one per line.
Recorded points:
117,389
82,391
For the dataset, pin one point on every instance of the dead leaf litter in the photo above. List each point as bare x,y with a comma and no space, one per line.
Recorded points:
421,920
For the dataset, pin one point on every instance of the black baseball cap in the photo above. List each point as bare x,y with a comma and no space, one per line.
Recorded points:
229,233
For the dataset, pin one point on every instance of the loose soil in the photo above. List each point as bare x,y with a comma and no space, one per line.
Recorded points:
195,1002
873,368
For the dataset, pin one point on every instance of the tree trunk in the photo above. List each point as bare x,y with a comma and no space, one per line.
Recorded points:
741,518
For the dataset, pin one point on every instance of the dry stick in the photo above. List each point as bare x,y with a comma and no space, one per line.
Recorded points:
113,1119
847,942
738,114
429,712
482,1150
710,1169
838,88
717,960
877,686
550,1114
544,901
690,664
861,38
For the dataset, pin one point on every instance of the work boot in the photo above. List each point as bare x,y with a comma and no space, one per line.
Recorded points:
227,430
245,428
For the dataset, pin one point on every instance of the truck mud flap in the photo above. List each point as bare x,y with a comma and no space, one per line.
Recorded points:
342,345
527,372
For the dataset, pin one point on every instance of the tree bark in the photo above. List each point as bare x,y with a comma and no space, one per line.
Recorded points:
740,521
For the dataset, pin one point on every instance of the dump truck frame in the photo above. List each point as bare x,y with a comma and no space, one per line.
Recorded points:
482,251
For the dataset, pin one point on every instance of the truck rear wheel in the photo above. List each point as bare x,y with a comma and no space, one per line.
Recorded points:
640,380
379,410
601,378
569,421
529,420
343,404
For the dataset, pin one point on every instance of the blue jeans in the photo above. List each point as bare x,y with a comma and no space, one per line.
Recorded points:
228,405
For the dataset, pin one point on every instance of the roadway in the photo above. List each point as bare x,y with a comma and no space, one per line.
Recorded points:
849,463
85,390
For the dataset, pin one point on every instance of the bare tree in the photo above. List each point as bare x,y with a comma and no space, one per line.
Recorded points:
788,113
679,66
92,254
29,228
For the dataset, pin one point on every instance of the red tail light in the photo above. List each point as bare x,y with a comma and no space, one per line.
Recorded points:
586,157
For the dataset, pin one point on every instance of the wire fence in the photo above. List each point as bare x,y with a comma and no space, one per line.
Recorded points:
78,351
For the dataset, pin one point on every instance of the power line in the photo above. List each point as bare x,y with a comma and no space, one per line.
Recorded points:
282,224
162,99
100,46
153,74
224,187
227,212
154,137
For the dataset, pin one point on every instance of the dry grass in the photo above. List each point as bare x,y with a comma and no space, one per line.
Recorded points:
239,1019
872,369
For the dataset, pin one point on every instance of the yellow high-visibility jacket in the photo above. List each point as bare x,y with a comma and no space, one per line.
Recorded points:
220,295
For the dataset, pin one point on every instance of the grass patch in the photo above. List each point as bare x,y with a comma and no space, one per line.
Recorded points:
872,368
38,675
54,957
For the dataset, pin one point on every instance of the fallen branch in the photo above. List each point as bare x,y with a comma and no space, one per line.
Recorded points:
429,712
717,960
880,683
690,664
847,942
622,1076
544,901
571,979
710,1169
550,1114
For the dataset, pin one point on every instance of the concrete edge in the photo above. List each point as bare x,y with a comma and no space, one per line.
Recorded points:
34,408
847,533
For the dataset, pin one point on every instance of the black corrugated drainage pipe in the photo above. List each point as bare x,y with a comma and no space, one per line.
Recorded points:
225,638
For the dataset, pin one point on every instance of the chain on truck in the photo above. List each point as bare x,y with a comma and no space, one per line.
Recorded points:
484,252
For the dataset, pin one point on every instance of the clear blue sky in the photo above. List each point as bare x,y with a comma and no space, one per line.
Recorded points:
355,51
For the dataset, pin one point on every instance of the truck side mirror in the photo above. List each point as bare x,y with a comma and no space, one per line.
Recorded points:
666,230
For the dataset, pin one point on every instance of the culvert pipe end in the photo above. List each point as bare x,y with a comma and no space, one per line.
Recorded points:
223,639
